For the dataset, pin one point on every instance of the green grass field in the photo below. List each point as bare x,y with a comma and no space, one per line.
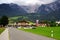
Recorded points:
45,31
1,30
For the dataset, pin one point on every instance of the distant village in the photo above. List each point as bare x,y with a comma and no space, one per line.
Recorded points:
25,23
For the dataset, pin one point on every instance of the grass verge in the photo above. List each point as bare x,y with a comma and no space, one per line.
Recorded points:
1,30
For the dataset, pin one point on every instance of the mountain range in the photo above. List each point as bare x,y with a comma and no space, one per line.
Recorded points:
45,11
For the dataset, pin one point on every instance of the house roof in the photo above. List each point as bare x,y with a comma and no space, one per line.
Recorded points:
23,21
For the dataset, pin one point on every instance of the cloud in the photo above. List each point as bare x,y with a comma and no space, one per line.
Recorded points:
6,1
47,1
27,2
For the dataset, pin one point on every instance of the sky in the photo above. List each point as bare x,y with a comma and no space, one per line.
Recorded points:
27,2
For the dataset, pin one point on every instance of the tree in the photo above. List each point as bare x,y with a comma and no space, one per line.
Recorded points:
52,23
4,20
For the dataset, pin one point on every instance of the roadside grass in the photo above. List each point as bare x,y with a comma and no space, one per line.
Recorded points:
45,31
1,30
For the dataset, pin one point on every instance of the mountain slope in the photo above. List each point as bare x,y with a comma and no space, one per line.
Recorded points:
55,15
31,8
45,9
11,10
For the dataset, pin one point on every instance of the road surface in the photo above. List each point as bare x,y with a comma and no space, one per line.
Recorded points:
15,34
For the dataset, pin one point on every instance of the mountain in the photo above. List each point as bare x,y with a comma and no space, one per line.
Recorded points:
42,9
49,12
31,8
11,10
45,9
54,15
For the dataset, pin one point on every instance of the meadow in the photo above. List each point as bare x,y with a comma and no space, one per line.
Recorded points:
45,31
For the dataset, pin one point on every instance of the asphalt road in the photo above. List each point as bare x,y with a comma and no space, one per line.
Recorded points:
15,34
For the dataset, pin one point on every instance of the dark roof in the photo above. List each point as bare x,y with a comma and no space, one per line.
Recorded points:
23,21
42,22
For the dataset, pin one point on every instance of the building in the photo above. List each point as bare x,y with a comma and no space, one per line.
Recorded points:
37,23
23,23
58,22
41,24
